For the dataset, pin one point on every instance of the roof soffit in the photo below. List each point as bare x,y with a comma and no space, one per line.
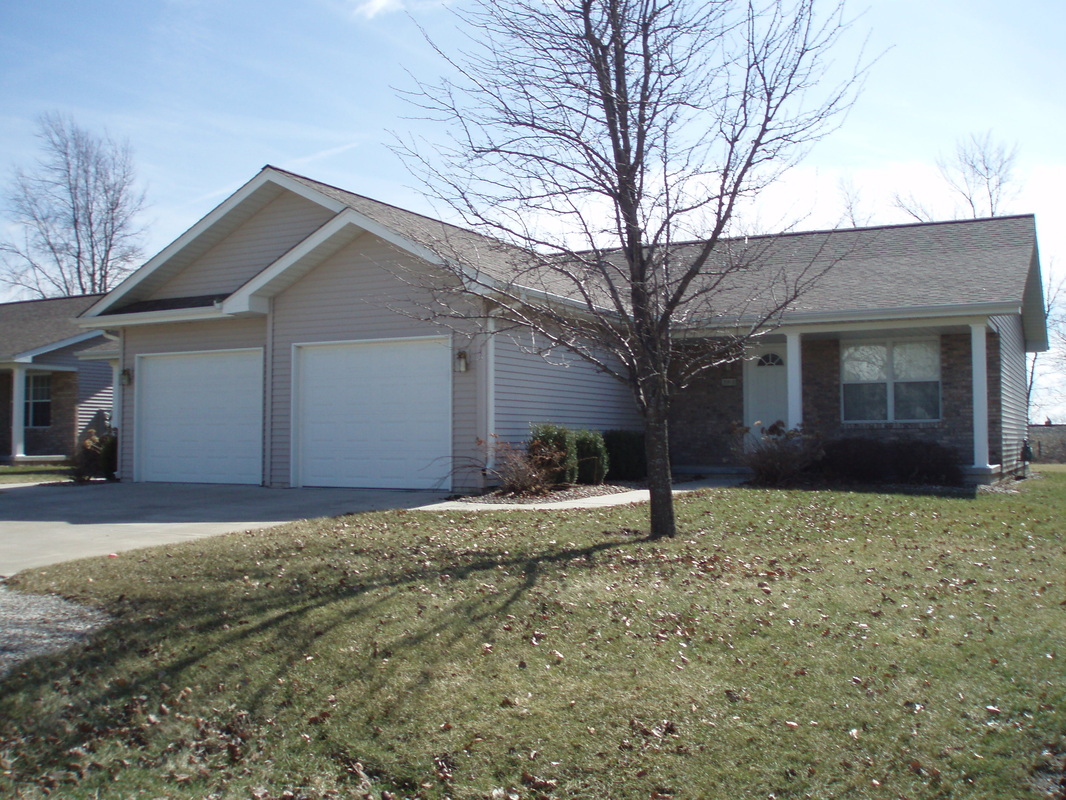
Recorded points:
205,234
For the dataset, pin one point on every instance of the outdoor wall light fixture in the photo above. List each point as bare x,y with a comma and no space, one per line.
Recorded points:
462,361
126,377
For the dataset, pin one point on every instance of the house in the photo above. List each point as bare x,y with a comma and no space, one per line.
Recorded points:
916,331
284,340
49,396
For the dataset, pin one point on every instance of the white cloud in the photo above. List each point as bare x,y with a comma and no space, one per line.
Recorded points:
371,8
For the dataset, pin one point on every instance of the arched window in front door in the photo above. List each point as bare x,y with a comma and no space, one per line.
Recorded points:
770,360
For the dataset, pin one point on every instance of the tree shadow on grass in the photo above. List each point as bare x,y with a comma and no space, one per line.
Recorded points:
246,638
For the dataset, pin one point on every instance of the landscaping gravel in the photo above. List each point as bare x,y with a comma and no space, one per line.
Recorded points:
33,625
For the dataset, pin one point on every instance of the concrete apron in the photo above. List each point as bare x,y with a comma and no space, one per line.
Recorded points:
51,523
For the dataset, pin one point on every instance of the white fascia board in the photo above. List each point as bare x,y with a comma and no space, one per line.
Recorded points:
102,355
41,366
835,321
155,317
29,355
250,298
265,176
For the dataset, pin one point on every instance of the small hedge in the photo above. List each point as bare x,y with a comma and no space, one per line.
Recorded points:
567,455
592,458
625,454
555,448
910,461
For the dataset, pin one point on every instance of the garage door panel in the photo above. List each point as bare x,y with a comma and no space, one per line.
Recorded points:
199,417
374,414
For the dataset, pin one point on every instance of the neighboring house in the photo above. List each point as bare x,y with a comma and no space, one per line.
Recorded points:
286,340
49,396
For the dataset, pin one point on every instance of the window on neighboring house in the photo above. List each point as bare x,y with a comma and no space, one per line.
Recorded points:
38,401
894,381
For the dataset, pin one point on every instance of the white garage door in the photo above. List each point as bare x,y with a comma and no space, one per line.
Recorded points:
200,417
373,414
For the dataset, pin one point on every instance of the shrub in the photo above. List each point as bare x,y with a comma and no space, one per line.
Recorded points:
778,456
907,460
592,460
921,461
856,458
555,448
520,472
96,457
625,455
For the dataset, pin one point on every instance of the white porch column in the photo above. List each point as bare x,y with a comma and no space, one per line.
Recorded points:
794,374
18,411
979,368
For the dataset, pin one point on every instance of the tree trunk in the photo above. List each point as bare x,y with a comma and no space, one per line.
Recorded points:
657,447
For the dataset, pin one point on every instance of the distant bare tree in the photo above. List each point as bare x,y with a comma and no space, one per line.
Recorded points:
75,213
980,175
851,200
599,135
1055,318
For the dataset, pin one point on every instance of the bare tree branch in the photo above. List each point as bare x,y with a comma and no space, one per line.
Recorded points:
610,142
76,214
980,177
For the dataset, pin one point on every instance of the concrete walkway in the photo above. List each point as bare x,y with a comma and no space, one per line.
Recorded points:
596,501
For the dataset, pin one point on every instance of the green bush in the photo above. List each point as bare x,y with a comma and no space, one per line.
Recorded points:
907,460
625,455
96,457
778,456
554,447
592,460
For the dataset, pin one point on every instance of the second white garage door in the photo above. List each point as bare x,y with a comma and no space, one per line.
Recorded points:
373,414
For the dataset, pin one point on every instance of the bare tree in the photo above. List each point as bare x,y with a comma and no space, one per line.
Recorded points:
1055,319
980,176
75,214
612,141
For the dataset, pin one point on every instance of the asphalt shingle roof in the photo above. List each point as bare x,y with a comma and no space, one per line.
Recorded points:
31,324
877,268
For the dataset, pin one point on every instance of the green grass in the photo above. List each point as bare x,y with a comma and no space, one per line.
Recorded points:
786,644
34,473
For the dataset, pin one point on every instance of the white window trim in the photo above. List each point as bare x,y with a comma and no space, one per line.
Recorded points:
30,401
891,380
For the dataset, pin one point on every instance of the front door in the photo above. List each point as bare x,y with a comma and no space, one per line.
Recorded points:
765,388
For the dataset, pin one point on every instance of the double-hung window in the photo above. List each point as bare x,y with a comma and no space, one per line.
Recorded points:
893,381
38,401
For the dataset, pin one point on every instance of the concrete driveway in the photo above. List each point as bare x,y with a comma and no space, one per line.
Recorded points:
47,524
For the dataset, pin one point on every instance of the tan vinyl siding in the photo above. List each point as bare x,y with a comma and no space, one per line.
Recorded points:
356,294
254,245
94,384
1015,411
95,392
564,389
179,337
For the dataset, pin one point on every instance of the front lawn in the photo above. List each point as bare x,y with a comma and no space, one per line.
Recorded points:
34,473
787,644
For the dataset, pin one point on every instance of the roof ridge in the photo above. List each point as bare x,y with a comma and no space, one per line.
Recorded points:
783,234
53,299
380,202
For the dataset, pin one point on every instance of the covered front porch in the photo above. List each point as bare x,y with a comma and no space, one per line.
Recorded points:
38,403
938,380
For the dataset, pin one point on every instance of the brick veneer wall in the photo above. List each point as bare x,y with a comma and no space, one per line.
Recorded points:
58,438
5,414
703,416
821,398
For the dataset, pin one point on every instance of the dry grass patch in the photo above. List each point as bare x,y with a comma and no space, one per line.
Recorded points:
786,644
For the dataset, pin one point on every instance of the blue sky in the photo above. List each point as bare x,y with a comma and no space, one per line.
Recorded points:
208,91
